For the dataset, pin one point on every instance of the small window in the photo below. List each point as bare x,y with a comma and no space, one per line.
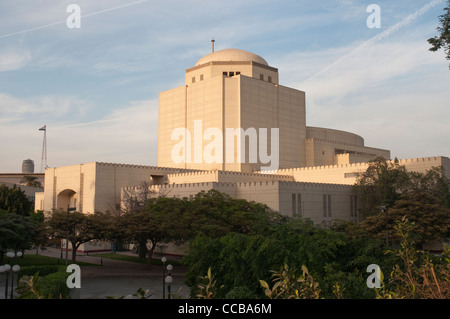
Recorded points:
238,72
193,79
294,208
269,79
329,205
225,73
231,73
201,77
261,77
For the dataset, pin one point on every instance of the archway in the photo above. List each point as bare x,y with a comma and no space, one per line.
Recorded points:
67,198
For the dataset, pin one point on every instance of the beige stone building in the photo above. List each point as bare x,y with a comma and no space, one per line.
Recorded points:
210,137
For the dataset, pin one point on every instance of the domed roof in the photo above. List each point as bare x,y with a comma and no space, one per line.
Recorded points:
231,55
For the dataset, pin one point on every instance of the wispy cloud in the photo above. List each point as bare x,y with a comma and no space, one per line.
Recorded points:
49,25
12,59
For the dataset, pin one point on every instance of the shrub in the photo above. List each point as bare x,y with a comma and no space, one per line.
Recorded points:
52,286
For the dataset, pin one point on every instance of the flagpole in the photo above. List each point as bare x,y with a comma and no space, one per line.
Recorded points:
44,149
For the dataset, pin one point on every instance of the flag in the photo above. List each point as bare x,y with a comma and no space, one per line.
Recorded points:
44,128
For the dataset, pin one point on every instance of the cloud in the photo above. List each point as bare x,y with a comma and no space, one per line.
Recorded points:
12,59
128,135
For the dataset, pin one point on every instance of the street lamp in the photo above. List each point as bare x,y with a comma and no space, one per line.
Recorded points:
169,280
7,268
163,260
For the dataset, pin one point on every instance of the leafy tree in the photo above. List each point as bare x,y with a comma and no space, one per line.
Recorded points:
432,219
240,261
80,228
215,214
15,201
417,275
17,232
443,40
30,180
381,184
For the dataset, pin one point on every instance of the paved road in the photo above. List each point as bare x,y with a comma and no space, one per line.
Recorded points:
119,278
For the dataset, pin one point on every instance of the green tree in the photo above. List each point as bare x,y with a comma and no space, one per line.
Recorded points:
30,180
381,184
78,227
17,232
417,274
215,214
432,219
15,201
443,40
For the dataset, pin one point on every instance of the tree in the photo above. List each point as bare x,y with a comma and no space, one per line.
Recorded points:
14,200
417,274
215,214
17,232
30,180
78,227
381,184
443,40
432,220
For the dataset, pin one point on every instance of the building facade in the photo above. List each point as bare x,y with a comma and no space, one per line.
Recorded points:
224,130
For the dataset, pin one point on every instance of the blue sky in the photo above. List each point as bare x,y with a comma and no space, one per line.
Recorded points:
96,88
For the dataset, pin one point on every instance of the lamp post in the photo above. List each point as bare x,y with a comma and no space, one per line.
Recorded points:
7,268
169,280
163,260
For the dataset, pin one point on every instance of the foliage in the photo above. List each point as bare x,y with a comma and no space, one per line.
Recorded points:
15,201
17,232
417,274
241,260
381,185
52,286
443,41
208,288
289,285
423,197
432,220
78,227
30,180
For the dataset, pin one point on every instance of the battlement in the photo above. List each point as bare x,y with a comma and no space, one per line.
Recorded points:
181,170
355,166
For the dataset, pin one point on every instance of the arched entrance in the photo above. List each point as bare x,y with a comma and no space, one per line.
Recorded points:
67,198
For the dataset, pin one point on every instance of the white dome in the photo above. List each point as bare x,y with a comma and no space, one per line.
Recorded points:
231,55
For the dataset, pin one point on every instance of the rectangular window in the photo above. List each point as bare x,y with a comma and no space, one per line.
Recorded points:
225,73
299,205
231,73
237,72
269,79
261,77
294,208
201,77
324,205
193,79
351,206
329,205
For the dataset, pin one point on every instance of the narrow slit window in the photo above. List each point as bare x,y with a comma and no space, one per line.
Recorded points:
294,208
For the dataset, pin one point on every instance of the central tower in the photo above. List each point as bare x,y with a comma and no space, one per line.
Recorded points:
228,91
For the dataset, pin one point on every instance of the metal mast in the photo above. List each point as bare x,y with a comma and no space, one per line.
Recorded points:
44,149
